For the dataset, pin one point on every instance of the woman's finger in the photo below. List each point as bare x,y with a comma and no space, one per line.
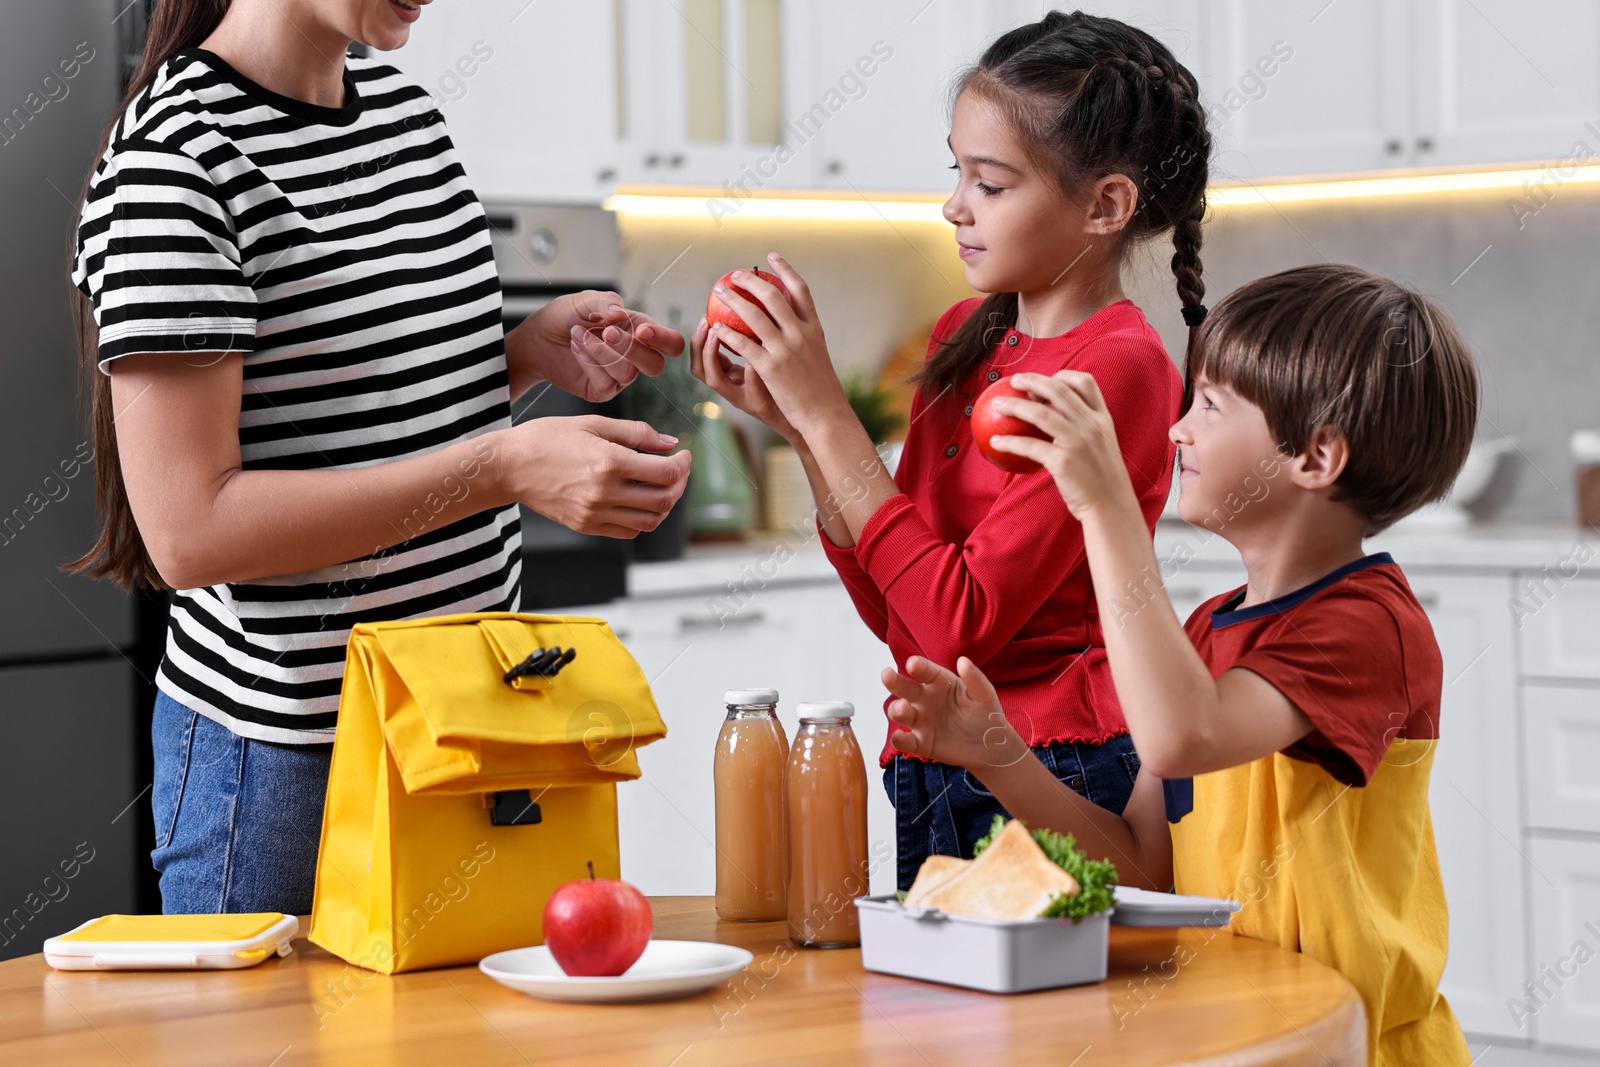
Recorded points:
601,386
799,291
610,348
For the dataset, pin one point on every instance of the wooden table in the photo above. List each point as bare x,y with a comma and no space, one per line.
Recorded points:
1173,996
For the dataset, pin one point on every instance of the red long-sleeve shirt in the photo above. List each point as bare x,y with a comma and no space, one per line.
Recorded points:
972,561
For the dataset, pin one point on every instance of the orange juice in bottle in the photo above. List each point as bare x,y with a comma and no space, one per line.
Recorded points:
827,787
752,848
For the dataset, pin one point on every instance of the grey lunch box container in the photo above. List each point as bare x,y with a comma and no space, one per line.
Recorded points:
992,955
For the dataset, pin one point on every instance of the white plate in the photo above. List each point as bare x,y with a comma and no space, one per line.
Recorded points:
1142,907
666,969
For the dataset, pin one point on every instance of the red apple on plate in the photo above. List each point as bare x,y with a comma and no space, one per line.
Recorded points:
596,926
987,423
717,311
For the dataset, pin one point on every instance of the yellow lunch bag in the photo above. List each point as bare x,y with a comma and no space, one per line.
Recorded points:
474,771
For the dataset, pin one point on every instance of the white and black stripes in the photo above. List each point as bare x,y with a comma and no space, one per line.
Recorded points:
343,253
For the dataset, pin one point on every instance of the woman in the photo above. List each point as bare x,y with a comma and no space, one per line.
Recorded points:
301,402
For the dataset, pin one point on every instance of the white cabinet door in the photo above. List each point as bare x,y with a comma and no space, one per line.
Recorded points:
710,88
878,100
1558,622
1501,81
1474,799
1561,758
528,92
1564,1009
805,641
1299,87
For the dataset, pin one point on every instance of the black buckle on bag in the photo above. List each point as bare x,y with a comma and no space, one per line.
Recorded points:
542,662
515,807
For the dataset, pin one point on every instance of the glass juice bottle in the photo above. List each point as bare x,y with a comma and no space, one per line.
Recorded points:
827,787
752,848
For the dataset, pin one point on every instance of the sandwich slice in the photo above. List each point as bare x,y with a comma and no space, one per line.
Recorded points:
934,872
1010,879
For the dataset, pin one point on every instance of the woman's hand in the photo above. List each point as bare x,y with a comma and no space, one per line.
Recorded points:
952,718
589,345
1082,454
740,386
790,356
592,474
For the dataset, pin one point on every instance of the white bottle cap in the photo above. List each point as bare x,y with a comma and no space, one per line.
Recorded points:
750,696
825,709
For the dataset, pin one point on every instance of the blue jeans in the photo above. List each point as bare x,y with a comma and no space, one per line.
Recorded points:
238,822
943,810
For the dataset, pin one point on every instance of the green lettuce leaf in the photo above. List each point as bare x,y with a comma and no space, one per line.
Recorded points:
1095,877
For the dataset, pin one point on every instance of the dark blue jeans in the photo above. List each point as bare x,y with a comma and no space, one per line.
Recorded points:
943,810
238,822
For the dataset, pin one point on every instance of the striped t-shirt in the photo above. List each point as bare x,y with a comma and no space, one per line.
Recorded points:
343,253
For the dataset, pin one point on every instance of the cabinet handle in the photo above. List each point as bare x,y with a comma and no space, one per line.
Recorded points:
1393,146
835,166
1191,593
652,161
677,160
688,623
1424,144
606,174
1428,600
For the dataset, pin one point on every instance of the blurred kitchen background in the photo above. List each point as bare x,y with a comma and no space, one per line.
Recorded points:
652,145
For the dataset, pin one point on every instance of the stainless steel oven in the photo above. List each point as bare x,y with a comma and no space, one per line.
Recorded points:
544,251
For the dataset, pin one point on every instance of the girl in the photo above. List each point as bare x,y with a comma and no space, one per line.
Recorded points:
301,402
1074,138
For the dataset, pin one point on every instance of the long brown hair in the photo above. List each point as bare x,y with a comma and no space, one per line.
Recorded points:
1090,96
119,551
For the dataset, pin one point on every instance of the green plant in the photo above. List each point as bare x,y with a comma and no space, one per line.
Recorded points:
873,405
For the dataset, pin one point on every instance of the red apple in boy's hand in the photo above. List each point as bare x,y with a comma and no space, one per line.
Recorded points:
596,926
717,311
988,423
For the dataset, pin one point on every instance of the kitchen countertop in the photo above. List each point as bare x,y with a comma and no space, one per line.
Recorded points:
1172,997
794,557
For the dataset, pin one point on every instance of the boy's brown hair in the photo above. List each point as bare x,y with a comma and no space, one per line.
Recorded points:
1334,345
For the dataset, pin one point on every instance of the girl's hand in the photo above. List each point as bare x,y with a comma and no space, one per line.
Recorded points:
951,718
1082,454
790,356
589,345
740,386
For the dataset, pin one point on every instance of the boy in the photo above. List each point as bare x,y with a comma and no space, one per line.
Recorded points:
1289,734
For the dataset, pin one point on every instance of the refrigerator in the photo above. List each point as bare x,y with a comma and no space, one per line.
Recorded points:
75,654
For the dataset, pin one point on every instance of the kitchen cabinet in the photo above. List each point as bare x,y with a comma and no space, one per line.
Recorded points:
528,92
1308,87
1561,747
1563,1007
1500,81
1474,796
710,93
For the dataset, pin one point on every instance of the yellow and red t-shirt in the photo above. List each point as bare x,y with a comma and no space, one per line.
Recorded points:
1329,843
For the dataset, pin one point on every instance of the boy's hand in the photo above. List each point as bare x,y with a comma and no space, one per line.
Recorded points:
952,718
1082,454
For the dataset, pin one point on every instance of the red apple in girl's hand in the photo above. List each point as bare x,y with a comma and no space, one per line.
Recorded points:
988,423
596,926
717,311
